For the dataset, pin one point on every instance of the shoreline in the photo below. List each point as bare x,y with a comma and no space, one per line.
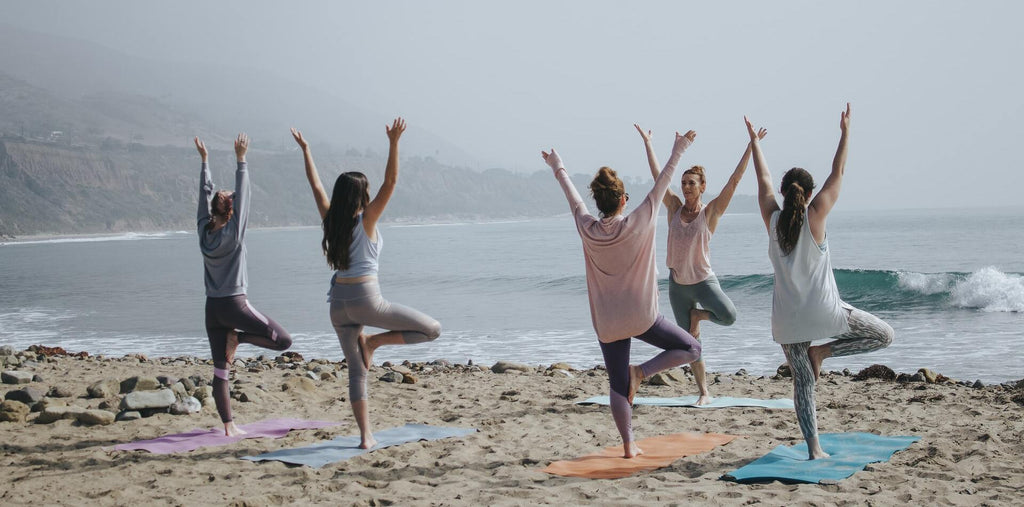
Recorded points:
971,438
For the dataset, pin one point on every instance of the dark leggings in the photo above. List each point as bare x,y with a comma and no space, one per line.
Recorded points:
679,348
235,313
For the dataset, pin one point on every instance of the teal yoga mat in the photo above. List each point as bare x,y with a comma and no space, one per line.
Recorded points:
849,453
690,401
342,448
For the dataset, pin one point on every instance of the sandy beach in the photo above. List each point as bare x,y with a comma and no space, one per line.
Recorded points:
969,453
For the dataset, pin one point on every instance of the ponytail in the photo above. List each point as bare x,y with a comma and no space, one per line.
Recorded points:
795,185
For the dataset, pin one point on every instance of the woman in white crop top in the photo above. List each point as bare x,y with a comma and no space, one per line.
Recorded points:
352,243
690,226
805,303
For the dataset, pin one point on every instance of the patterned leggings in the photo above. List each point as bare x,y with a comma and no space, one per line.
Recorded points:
867,334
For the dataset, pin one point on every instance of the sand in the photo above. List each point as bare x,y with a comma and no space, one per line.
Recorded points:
970,452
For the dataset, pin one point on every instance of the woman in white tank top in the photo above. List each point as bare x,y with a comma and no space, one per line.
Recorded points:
694,290
805,303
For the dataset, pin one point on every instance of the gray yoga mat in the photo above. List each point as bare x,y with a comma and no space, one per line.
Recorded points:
342,448
691,401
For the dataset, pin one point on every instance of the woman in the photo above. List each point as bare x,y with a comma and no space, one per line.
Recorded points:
352,245
618,251
230,319
805,303
690,226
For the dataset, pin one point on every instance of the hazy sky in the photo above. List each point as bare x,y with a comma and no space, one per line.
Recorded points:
936,86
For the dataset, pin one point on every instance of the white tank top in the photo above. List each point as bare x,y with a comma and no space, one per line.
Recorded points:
805,302
689,251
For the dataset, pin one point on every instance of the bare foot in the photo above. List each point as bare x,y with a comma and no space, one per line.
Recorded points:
367,353
636,376
817,355
631,450
368,442
230,430
697,315
232,346
704,399
818,455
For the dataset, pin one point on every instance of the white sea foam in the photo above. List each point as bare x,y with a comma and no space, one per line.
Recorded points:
990,290
925,283
128,236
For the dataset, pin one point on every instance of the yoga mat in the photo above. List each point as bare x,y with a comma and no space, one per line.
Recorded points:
189,441
658,452
342,448
850,453
690,401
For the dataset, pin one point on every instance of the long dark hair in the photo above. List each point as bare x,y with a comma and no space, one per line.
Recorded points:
350,195
796,183
607,189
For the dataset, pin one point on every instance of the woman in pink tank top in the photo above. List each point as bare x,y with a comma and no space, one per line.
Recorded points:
694,290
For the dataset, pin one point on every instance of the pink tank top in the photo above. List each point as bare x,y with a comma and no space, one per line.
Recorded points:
689,252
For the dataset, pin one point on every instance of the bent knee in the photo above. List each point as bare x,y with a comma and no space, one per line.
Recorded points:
433,331
887,335
283,341
697,350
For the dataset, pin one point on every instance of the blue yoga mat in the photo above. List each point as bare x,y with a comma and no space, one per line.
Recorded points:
849,453
691,401
342,448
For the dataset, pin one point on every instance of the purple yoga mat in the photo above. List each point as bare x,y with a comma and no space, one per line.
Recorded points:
191,440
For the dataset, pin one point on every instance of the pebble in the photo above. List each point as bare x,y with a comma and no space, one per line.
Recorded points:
404,370
784,371
312,376
13,411
59,392
128,415
27,395
106,388
166,380
978,384
560,366
303,384
54,414
139,384
203,392
16,377
506,366
185,406
879,371
140,400
179,390
248,397
95,417
393,376
409,379
659,379
6,350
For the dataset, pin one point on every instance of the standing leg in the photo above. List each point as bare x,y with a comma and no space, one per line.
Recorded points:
684,308
217,333
349,334
616,361
803,396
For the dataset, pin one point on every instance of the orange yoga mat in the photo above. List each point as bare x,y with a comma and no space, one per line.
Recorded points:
658,452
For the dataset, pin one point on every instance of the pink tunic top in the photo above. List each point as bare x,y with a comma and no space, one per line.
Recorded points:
689,251
619,255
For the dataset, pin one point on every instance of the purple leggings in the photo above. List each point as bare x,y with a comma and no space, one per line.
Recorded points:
679,348
235,312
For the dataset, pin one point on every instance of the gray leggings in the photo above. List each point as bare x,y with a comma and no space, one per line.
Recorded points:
710,297
867,334
356,305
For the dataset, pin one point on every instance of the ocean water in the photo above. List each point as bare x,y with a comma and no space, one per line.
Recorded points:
951,283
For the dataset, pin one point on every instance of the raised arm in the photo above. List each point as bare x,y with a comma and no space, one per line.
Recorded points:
205,186
829,193
716,208
765,195
376,207
661,183
242,186
576,205
323,203
671,200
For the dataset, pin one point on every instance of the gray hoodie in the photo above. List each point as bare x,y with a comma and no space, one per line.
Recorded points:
224,250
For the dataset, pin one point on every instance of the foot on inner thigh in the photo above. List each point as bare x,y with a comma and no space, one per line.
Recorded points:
817,354
231,430
368,442
636,376
631,450
231,347
367,354
697,315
